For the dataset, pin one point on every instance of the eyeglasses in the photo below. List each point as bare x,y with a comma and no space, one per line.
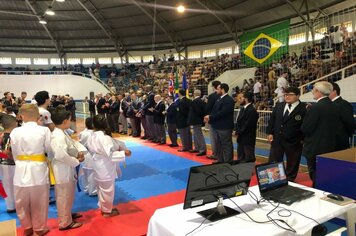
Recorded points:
289,94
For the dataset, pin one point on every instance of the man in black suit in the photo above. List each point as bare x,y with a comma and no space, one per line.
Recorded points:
114,115
150,103
91,107
221,120
347,122
284,131
183,108
196,119
158,119
245,129
100,102
319,126
171,114
212,98
122,114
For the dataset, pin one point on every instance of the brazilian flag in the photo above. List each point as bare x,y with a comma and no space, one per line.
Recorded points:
263,46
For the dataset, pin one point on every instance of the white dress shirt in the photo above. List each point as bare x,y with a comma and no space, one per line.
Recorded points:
30,139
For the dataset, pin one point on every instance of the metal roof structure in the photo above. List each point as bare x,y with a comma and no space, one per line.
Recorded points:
81,26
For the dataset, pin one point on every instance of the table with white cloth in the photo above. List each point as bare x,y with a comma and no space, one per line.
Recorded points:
173,220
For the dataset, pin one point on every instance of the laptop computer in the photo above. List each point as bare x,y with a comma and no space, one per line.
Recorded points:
273,184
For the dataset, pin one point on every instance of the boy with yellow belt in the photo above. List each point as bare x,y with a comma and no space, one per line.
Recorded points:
29,144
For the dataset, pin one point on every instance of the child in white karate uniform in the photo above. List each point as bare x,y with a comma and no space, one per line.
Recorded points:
88,180
29,144
106,153
7,165
65,158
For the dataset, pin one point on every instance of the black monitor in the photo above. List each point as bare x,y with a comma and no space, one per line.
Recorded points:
211,183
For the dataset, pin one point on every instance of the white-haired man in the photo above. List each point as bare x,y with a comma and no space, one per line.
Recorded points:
319,134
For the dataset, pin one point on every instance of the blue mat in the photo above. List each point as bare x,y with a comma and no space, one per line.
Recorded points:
149,172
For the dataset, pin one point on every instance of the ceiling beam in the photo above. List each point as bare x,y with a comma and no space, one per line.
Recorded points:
56,43
119,45
159,21
299,13
211,10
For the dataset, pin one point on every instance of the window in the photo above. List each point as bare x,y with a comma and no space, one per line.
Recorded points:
227,50
5,60
147,58
55,61
23,61
104,60
89,61
194,55
319,34
237,49
135,59
209,53
297,39
40,61
117,60
176,56
73,61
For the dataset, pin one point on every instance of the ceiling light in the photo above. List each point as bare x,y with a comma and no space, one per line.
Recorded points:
181,9
42,21
60,0
50,12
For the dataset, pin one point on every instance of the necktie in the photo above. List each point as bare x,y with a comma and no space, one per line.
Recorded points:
286,114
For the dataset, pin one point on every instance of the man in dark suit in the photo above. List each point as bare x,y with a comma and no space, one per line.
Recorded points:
196,119
171,114
284,131
183,108
221,120
245,129
91,107
122,114
347,122
158,119
319,126
150,103
100,103
212,98
114,115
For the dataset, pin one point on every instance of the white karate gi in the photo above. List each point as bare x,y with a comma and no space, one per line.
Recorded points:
64,163
282,84
31,181
104,150
88,181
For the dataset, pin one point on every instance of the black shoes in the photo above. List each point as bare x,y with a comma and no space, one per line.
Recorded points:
201,154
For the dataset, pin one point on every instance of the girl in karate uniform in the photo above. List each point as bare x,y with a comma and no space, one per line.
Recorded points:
88,179
106,153
7,163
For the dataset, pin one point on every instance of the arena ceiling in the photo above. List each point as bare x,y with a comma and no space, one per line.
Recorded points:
81,26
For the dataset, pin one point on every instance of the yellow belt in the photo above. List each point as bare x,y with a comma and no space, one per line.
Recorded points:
39,158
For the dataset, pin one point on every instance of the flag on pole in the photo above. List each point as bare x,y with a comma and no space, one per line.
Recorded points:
170,87
176,86
185,84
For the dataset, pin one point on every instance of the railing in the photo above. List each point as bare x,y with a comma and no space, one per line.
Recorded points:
303,88
55,73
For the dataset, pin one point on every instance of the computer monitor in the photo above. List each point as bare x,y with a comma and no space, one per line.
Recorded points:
211,183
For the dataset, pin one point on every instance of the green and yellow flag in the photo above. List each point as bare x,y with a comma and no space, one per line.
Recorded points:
261,47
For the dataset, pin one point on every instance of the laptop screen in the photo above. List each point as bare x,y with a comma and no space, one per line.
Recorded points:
271,176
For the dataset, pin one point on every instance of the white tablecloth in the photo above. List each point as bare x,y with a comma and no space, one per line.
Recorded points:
174,220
